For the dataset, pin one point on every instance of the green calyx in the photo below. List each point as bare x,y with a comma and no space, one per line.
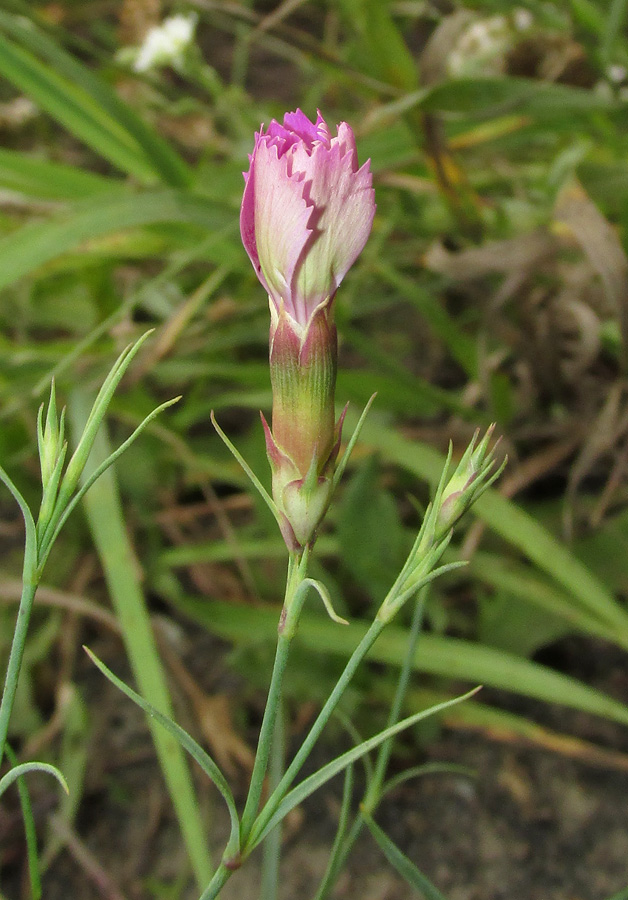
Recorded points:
301,501
303,444
303,363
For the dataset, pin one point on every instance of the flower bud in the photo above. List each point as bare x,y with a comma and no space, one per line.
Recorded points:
474,473
307,211
50,438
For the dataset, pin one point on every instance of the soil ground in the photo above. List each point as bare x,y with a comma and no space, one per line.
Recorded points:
527,824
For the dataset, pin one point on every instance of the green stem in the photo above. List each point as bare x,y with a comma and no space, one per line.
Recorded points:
221,877
323,717
296,574
373,793
341,857
30,831
329,878
269,887
29,587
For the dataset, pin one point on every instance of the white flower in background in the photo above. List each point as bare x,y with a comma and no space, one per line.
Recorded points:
166,44
613,85
17,112
522,19
616,73
481,48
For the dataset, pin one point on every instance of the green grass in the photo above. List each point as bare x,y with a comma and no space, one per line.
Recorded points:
488,291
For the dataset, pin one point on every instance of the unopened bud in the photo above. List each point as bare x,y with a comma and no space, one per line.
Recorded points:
50,439
474,473
306,214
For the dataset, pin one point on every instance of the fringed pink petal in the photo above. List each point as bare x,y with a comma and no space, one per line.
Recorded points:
247,217
343,201
280,221
307,211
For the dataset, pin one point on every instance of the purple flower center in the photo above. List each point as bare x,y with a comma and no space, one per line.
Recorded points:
297,129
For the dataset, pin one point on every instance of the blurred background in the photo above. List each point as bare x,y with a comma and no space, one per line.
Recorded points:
494,288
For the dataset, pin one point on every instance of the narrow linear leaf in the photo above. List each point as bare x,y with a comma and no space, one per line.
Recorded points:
30,551
51,180
105,465
512,524
188,743
521,581
518,579
382,49
462,347
311,784
257,484
26,768
396,387
401,863
509,728
69,104
342,463
104,514
117,453
613,30
497,96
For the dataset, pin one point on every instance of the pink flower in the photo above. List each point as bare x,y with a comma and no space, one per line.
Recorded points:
307,211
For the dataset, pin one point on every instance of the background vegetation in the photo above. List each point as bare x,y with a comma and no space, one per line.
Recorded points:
494,288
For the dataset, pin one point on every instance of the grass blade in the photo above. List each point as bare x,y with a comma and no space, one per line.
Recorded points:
401,863
67,103
441,656
82,102
524,583
36,243
104,515
51,180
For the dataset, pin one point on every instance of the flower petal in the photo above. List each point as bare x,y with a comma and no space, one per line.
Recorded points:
344,204
306,131
247,216
274,222
307,211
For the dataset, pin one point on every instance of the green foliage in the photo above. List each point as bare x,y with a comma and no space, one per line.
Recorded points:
438,656
493,288
402,864
370,534
380,49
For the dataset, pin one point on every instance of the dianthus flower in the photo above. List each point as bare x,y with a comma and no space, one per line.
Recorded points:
306,214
